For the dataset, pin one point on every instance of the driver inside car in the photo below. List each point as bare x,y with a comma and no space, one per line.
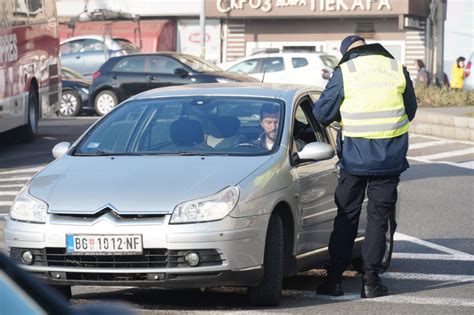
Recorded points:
269,119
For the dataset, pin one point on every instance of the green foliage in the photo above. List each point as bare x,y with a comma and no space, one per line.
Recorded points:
434,96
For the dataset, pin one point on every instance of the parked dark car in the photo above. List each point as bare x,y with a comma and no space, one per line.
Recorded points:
86,54
75,93
124,76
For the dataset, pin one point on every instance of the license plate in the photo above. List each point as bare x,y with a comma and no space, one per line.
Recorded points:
104,244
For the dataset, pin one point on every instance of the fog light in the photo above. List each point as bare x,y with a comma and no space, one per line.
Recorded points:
192,259
27,257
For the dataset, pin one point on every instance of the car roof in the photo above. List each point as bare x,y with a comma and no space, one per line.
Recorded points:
288,53
249,89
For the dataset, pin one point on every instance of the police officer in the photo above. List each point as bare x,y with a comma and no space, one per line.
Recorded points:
371,94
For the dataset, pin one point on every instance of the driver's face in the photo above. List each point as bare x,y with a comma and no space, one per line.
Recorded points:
269,124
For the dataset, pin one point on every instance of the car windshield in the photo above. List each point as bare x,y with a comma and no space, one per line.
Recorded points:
193,125
197,64
126,44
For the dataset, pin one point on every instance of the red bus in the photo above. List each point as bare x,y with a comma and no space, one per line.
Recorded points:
30,82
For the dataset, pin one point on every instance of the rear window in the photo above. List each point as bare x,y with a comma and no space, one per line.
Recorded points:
329,61
131,64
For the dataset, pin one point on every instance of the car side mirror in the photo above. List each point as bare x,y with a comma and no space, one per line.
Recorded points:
316,151
181,72
60,149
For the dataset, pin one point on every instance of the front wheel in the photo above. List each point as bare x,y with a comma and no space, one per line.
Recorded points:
268,292
104,102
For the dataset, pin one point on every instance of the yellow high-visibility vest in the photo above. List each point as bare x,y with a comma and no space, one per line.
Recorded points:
373,102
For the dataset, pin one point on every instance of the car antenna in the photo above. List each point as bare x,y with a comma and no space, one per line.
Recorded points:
265,62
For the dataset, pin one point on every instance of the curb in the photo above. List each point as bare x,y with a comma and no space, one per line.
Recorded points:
443,125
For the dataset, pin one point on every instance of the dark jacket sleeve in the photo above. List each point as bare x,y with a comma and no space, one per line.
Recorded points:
326,108
409,97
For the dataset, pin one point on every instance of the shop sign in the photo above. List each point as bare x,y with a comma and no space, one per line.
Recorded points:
227,6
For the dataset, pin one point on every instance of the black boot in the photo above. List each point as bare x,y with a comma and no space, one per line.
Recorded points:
331,286
372,286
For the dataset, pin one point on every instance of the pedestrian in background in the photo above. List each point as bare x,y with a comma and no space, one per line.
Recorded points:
422,76
373,97
458,74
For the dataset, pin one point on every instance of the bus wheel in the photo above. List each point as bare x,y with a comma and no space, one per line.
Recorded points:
28,132
104,102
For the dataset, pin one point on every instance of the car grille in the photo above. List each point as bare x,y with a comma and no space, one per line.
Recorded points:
150,258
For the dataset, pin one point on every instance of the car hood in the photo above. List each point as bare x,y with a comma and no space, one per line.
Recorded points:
232,76
76,82
136,184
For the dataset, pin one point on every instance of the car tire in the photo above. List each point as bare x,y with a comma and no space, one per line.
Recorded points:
358,263
70,104
268,292
104,102
63,290
28,132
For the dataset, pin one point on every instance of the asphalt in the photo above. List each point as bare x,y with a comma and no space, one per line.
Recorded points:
445,122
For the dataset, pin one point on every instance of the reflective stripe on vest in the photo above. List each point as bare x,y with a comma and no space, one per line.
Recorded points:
373,102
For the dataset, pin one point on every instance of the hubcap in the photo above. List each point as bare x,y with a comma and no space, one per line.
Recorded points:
68,104
105,103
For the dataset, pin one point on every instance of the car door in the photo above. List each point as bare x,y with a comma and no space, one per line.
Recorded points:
93,54
71,55
161,72
317,181
129,77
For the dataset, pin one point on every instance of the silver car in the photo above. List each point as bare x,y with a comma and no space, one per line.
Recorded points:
185,187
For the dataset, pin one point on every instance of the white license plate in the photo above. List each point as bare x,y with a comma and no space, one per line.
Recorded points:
104,244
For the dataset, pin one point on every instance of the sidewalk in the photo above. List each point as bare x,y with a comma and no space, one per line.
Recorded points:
445,122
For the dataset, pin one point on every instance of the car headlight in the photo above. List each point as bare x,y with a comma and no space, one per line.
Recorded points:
210,208
224,80
28,208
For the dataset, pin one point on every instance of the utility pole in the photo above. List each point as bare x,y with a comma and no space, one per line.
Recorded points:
435,39
202,23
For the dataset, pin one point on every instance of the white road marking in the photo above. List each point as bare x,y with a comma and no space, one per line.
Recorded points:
8,193
427,277
5,203
24,170
12,186
413,135
419,159
469,165
396,299
14,179
426,144
444,155
3,216
416,256
404,237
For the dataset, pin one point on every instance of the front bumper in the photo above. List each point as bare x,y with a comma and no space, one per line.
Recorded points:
236,243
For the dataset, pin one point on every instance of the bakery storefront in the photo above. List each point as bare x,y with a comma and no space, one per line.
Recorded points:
249,26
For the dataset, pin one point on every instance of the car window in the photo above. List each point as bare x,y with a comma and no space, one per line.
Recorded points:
131,64
273,64
71,47
299,62
186,125
91,45
163,64
248,66
329,61
305,127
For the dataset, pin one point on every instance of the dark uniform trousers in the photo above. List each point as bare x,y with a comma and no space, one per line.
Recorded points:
350,193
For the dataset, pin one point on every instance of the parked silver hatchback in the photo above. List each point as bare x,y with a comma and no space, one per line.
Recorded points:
194,186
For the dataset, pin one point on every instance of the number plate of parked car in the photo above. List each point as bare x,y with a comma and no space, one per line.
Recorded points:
104,244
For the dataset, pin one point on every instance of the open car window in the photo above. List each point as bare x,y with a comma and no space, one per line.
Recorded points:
185,126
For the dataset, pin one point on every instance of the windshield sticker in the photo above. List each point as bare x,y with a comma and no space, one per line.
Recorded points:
93,145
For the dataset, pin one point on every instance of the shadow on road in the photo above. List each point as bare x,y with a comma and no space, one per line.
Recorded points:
433,170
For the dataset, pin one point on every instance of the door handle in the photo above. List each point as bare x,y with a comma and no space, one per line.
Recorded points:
78,57
114,76
152,77
297,196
